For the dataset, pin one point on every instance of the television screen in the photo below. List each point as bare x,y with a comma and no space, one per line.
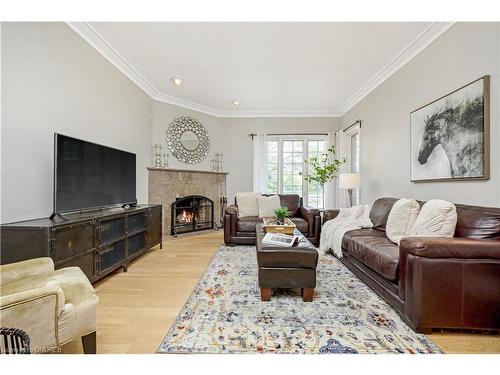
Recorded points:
88,175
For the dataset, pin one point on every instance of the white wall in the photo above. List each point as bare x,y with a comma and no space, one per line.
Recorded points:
237,145
53,81
464,53
164,114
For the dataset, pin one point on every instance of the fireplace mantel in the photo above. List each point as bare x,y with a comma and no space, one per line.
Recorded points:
165,185
185,170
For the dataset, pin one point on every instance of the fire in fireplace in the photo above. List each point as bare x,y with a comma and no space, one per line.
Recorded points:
191,214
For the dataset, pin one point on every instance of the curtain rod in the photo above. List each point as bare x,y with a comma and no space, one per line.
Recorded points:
274,134
350,126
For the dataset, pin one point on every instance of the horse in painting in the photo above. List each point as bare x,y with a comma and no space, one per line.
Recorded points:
460,131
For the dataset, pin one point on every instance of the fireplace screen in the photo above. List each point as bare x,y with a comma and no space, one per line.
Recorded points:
191,214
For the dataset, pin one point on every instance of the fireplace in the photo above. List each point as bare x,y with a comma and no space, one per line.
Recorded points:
191,214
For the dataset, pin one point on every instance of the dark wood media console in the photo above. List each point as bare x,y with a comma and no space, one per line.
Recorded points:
98,242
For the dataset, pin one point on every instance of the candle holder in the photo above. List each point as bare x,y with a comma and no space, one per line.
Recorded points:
218,162
165,160
157,162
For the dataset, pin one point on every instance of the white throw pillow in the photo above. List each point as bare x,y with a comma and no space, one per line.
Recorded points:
247,204
401,219
267,205
437,218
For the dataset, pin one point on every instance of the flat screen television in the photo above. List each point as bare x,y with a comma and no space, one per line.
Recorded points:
89,176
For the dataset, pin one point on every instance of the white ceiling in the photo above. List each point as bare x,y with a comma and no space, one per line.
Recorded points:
273,69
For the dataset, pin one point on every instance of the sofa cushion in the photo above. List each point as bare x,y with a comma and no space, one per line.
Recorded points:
380,212
292,202
301,224
247,224
374,250
477,222
247,204
437,218
401,219
348,236
267,205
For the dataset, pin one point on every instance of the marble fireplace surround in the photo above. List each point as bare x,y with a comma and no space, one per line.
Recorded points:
165,185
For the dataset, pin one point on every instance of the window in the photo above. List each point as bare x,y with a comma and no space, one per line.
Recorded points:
285,163
292,167
314,192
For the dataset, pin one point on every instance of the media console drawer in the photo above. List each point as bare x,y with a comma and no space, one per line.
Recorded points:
136,223
111,230
85,262
111,255
69,241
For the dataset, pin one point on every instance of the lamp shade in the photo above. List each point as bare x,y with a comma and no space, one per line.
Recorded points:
349,180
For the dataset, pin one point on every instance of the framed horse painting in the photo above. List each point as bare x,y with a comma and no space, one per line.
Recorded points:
450,136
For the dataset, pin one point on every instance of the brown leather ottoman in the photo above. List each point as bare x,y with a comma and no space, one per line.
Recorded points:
286,267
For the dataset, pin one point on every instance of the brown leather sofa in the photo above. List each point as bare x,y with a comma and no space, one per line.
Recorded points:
444,283
241,231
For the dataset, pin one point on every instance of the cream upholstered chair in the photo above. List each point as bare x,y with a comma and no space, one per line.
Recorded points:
52,307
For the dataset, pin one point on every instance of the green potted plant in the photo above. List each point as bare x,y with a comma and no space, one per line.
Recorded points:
281,213
323,169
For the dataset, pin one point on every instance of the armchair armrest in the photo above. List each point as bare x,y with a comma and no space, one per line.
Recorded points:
36,312
230,219
308,213
313,218
12,272
330,214
27,296
232,209
443,247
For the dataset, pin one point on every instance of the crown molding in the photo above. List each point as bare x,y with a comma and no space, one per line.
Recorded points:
96,40
417,45
279,114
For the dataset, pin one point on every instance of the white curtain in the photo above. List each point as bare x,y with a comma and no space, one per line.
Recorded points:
330,186
259,152
342,149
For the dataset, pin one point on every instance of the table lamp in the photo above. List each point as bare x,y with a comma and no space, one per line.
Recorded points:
349,181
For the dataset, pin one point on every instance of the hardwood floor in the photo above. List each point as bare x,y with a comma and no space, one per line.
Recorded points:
137,307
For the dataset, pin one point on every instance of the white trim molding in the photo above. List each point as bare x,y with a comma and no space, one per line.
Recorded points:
96,40
417,45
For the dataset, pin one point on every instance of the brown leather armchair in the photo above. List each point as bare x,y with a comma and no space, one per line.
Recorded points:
241,231
432,282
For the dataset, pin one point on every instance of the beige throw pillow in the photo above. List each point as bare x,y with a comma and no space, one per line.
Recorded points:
247,204
401,219
267,205
437,218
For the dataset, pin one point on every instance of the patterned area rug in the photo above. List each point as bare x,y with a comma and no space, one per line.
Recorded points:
224,314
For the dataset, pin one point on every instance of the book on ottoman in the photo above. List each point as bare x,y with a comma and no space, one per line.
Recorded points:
280,239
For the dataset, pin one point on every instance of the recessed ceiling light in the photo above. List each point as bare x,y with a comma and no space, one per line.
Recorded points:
176,81
236,103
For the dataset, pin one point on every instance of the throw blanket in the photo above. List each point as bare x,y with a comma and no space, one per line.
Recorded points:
357,217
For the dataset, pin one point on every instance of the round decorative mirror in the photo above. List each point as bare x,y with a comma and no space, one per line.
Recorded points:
188,140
